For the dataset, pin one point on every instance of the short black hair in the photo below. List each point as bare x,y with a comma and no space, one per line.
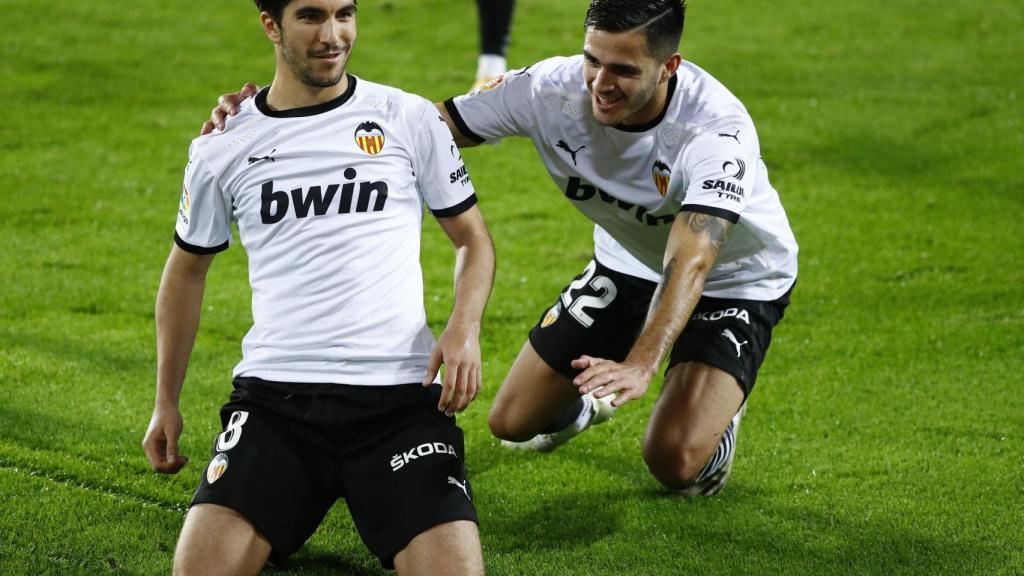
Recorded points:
661,21
273,7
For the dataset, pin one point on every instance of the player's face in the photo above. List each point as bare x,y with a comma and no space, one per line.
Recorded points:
622,77
316,38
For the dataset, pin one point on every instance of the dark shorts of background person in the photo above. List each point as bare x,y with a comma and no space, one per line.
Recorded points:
387,450
729,334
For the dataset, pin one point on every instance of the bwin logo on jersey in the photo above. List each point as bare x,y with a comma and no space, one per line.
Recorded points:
661,174
275,203
402,458
370,138
577,191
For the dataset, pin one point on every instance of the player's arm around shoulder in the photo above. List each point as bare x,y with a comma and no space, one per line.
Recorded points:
178,304
458,348
461,140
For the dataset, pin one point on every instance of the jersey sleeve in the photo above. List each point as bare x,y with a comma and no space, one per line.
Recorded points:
499,108
441,175
722,172
204,213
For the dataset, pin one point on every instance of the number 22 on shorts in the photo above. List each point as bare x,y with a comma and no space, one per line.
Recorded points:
600,284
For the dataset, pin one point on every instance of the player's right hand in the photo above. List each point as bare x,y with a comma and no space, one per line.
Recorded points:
227,105
161,441
458,349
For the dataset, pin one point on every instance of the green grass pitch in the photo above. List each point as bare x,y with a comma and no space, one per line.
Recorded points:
886,433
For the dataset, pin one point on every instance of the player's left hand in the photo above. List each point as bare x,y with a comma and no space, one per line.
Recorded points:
606,377
459,350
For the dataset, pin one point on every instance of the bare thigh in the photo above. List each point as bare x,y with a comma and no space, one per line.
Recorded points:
531,396
450,549
218,540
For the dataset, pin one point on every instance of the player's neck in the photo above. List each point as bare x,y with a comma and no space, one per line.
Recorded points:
288,92
653,109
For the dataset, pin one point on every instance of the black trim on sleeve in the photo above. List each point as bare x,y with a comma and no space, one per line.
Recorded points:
712,211
455,210
198,249
266,110
449,105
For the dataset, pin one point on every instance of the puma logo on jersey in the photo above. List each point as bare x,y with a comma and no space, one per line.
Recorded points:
735,136
578,191
255,159
732,338
275,203
561,144
455,482
423,450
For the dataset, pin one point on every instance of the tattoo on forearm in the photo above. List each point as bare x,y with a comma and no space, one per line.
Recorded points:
711,226
666,274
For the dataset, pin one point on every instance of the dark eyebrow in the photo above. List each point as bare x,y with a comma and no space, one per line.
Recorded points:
313,11
619,69
308,11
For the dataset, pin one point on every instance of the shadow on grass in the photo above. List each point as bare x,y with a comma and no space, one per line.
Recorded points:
322,564
745,523
554,523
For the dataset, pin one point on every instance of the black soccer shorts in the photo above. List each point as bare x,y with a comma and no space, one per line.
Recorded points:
289,450
601,313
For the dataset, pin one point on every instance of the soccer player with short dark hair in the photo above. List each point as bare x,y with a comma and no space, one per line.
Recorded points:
694,256
336,394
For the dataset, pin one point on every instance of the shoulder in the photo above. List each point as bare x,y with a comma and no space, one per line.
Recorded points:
706,100
708,113
389,101
559,71
219,149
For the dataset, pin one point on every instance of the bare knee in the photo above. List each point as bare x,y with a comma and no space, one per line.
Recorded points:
504,424
675,466
218,540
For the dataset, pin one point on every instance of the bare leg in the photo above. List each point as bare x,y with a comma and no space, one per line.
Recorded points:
531,396
696,405
216,540
451,549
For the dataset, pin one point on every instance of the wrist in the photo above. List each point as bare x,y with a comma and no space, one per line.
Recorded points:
647,366
470,326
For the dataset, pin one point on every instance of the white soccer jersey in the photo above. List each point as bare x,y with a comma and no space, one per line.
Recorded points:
701,155
328,201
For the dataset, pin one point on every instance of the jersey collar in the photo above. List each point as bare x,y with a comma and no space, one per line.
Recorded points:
657,119
266,110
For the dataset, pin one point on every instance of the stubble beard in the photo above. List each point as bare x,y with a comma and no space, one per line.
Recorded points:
304,72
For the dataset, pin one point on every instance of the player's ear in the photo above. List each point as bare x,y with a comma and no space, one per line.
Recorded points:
670,66
270,27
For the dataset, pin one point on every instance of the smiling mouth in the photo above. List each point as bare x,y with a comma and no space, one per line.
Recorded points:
332,55
607,103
